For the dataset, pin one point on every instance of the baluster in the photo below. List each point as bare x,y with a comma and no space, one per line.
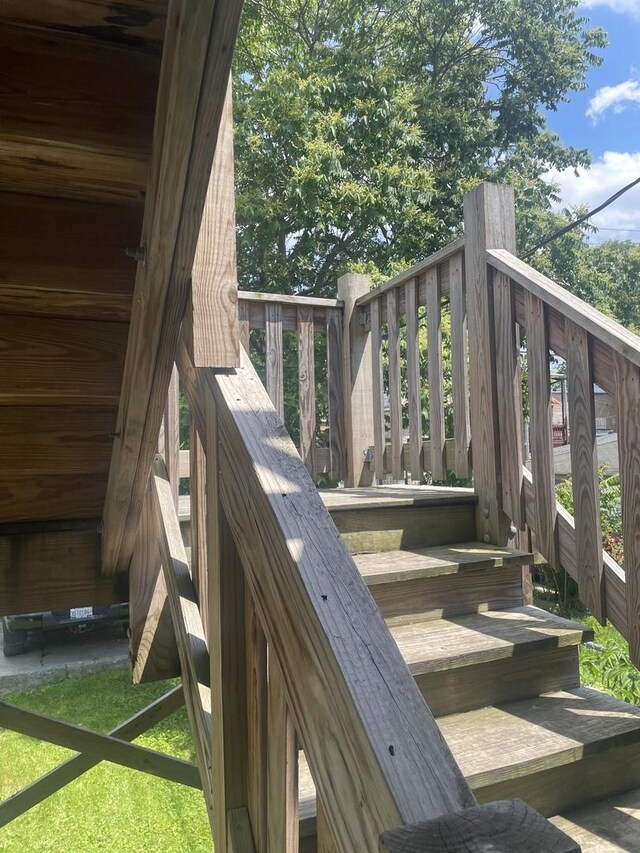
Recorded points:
244,325
198,520
436,386
628,416
459,366
540,415
172,435
226,609
306,387
509,397
413,381
395,389
275,383
336,393
283,769
257,727
584,471
326,842
377,389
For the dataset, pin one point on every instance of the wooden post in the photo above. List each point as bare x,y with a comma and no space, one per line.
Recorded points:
358,403
226,611
489,222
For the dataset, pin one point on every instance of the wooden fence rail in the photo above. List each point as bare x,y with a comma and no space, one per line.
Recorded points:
410,357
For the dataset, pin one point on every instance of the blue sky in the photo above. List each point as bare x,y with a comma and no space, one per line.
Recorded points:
606,119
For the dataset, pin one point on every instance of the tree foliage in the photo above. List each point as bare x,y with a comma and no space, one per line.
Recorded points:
361,124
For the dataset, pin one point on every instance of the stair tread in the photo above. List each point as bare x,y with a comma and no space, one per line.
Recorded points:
376,497
610,826
480,637
412,563
496,744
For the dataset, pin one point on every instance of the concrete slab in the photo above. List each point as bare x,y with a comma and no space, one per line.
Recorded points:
56,656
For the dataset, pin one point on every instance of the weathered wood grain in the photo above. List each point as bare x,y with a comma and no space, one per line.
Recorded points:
95,20
191,95
56,362
307,388
30,577
309,598
152,643
274,356
335,382
509,396
436,377
214,279
198,518
584,471
628,409
413,382
433,260
459,366
66,258
377,391
257,725
489,222
603,328
540,416
50,497
226,633
244,327
502,827
171,434
358,396
282,800
395,385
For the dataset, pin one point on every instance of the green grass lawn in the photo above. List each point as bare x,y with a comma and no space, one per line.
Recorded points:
608,669
110,808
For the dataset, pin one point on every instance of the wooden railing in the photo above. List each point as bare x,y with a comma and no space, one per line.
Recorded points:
299,651
275,314
399,314
597,350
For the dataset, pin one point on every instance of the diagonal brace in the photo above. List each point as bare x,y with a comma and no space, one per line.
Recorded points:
99,746
55,779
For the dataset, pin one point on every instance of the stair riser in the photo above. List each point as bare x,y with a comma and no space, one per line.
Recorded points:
390,528
559,789
468,591
521,677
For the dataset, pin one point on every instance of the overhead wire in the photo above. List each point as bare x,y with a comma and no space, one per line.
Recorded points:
571,225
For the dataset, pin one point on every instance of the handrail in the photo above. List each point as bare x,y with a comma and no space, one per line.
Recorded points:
288,299
373,747
599,350
604,328
418,269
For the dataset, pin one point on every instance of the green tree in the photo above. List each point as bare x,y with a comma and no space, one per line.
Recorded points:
361,124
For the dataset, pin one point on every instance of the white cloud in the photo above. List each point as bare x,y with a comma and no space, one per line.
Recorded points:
614,97
606,176
632,7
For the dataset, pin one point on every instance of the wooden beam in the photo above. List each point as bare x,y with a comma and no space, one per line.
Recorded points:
214,280
489,221
414,386
102,747
53,567
226,634
395,385
274,356
436,377
309,592
584,471
191,96
60,776
509,391
377,384
282,801
190,636
307,387
628,411
357,380
153,650
459,366
257,730
335,382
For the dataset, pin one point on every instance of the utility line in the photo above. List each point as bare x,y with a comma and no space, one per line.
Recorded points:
566,228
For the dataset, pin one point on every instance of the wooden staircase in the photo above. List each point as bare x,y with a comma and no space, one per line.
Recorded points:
500,676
